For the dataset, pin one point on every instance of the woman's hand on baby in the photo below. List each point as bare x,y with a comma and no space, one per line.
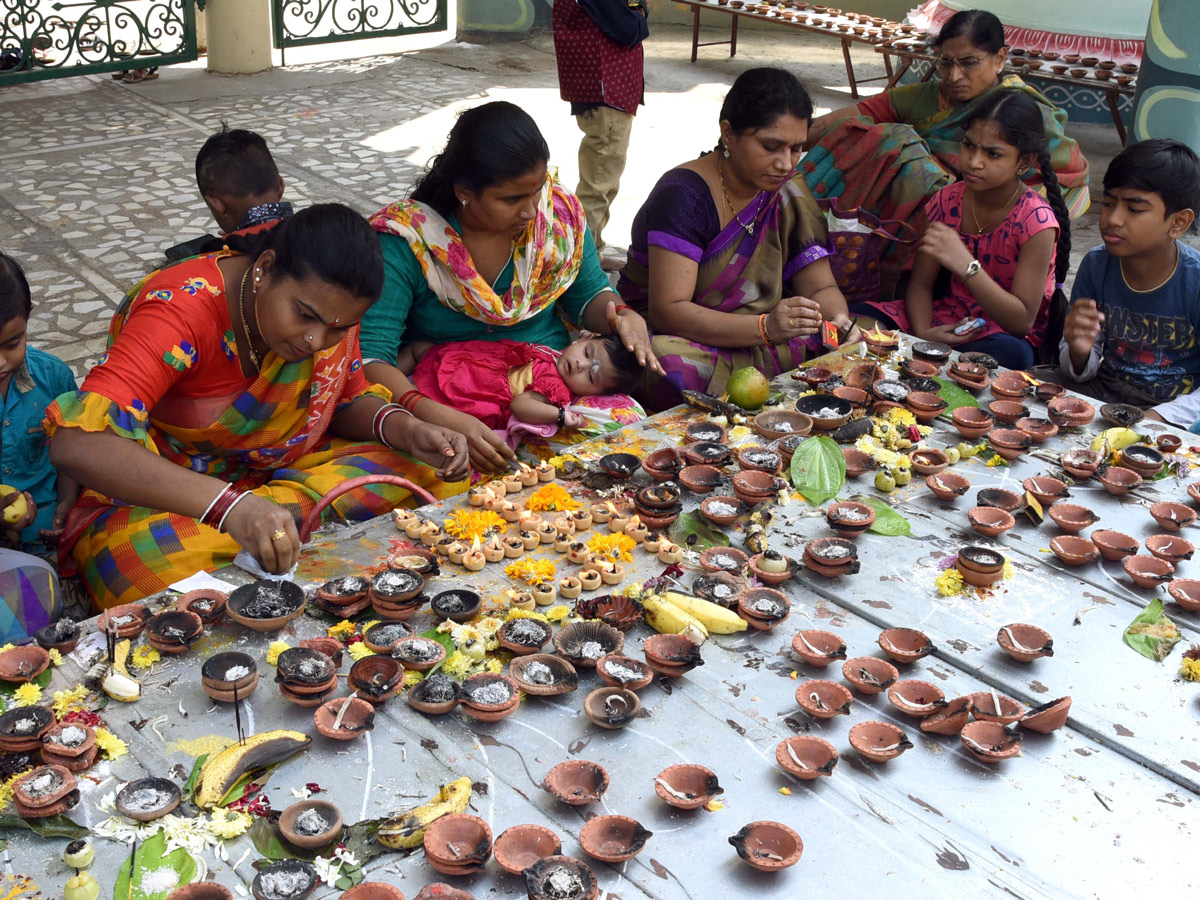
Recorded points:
634,334
793,317
487,451
943,243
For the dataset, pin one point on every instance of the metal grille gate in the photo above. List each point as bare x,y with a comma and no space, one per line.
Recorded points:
301,22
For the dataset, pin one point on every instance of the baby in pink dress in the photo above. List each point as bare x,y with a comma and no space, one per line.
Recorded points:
496,380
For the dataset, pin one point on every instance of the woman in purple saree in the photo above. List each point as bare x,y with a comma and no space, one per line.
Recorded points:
729,256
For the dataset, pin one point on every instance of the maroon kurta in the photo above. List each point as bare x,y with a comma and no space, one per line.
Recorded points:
592,68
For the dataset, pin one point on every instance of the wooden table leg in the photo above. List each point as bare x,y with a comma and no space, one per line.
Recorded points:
849,68
1114,100
695,30
733,37
887,67
904,67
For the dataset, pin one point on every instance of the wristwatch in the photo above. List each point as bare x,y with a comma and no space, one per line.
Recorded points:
973,268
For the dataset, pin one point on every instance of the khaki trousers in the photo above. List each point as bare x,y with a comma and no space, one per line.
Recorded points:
601,162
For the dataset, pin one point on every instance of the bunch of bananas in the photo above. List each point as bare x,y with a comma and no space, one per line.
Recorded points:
673,613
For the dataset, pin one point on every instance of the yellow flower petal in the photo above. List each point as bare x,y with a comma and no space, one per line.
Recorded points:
27,694
274,650
359,649
110,745
551,497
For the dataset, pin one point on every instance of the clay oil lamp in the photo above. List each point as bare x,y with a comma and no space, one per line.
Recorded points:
857,462
1009,443
44,792
971,376
849,518
619,465
759,458
763,608
880,342
972,422
417,559
207,603
521,846
508,511
493,550
147,799
459,604
1048,716
305,677
1070,412
19,665
512,483
420,654
603,512
990,521
435,695
869,674
818,648
473,559
562,543
611,572
310,824
636,529
1078,73
569,587
672,655
583,643
824,699
919,368
1008,412
376,678
988,706
611,707
878,741
1172,516
905,645
128,619
623,671
704,431
489,697
653,541
589,579
514,546
925,406
1047,391
670,553
887,391
63,635
1039,430
771,567
1147,571
395,586
980,566
431,532
1047,491
576,782
826,413
561,877
1146,461
950,719
1071,517
543,674
864,375
618,521
223,674
721,588
531,539
753,486
1025,643
1168,443
443,545
616,610
1184,591
1081,463
477,496
383,637
286,879
700,479
201,890
1114,545
929,461
687,786
916,698
70,745
412,528
723,559
612,838
1010,386
1073,550
527,474
831,557
544,593
345,596
929,351
990,742
458,844
1170,547
582,519
857,397
768,846
456,551
577,552
947,486
524,635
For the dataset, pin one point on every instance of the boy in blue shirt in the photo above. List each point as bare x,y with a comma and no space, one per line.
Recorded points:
30,380
1132,334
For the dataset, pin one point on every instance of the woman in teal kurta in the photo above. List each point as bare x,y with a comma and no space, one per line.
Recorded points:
489,247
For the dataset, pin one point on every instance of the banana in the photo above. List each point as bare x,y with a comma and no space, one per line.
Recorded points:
407,830
1115,439
667,618
118,683
714,617
222,771
15,511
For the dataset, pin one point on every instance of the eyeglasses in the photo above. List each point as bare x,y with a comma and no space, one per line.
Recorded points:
965,65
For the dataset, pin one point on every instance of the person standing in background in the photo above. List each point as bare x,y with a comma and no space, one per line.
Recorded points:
598,46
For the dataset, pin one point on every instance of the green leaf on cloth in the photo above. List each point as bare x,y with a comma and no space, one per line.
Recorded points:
887,522
8,688
693,524
190,788
150,868
1152,634
818,469
954,396
51,826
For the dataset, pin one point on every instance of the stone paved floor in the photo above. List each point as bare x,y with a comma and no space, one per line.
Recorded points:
96,177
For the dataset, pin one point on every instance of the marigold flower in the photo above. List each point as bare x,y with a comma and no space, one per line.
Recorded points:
27,694
145,656
56,658
275,649
110,745
469,524
341,630
614,546
70,700
950,583
551,497
358,650
229,823
531,571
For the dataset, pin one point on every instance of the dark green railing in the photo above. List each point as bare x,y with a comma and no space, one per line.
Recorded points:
42,39
301,22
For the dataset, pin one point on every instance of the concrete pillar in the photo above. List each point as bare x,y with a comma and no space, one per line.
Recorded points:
239,36
1167,104
201,31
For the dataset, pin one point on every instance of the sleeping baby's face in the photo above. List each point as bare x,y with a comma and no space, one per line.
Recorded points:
585,368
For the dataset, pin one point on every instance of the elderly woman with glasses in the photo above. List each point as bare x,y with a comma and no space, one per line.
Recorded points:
890,153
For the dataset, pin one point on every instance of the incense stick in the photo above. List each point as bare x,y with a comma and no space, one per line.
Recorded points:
237,715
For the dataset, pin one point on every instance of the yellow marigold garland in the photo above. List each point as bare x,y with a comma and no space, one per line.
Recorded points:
530,571
468,524
614,546
551,497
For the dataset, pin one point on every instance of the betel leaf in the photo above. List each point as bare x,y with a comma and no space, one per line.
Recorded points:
818,469
51,826
152,856
190,788
693,531
954,396
887,522
1152,634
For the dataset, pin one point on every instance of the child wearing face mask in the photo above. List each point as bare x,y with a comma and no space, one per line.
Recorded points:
498,380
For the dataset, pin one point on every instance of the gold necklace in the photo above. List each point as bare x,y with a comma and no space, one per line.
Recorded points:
255,359
749,229
1174,269
1004,214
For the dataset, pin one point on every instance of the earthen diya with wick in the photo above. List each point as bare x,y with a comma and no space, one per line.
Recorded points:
474,560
